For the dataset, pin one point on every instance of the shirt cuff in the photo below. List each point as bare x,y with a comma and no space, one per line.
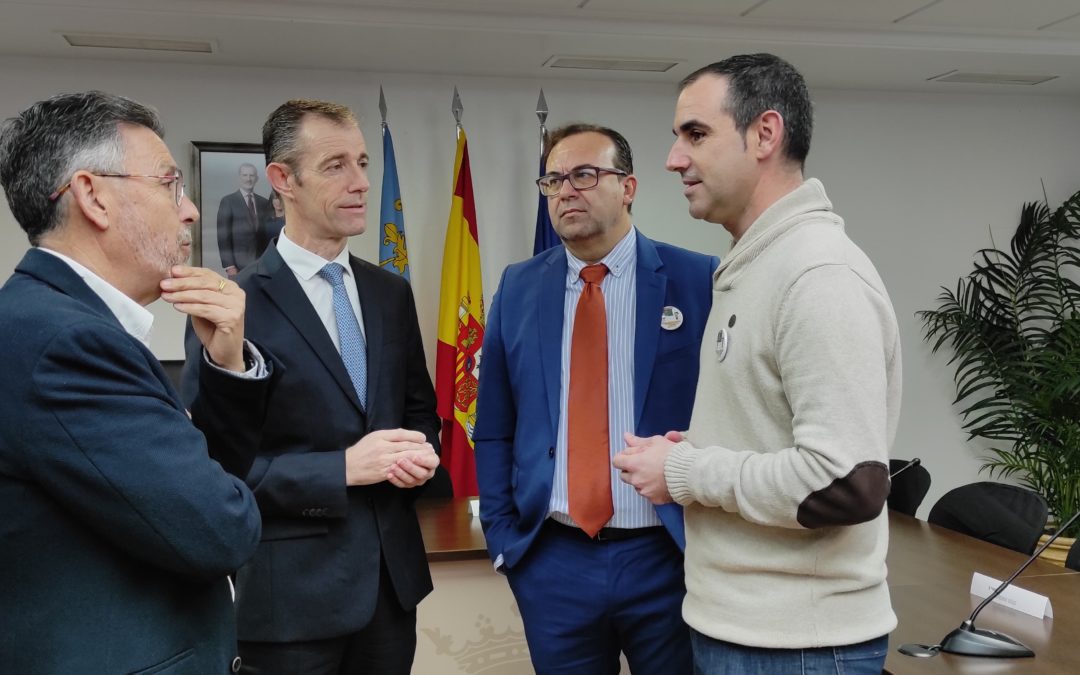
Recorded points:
253,358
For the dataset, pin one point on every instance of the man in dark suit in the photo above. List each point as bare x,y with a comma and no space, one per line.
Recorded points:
118,529
595,568
241,223
349,428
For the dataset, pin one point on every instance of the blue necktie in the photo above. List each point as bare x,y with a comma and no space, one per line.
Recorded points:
353,350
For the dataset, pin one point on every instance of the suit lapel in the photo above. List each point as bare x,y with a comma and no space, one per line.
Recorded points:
280,285
651,287
550,319
372,307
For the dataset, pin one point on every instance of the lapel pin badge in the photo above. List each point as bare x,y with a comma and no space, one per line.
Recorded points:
671,318
723,340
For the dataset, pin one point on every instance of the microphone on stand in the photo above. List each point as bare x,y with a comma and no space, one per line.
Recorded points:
968,640
914,462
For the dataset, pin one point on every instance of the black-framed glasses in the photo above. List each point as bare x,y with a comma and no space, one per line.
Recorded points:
581,178
176,179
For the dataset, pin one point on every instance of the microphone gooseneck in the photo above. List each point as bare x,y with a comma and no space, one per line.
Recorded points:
914,462
968,640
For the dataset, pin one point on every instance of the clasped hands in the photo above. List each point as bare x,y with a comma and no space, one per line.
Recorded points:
400,456
641,464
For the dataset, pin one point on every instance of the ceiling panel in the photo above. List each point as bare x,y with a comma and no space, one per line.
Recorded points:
712,9
363,37
536,6
1002,15
838,11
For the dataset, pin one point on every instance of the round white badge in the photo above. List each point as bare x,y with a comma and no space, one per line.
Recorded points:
671,318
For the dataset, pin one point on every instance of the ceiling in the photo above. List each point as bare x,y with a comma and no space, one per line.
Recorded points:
864,44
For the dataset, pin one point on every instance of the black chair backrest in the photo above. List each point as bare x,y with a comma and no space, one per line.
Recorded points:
1006,515
1073,560
909,487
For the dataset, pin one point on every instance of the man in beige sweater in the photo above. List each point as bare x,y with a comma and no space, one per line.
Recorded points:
783,473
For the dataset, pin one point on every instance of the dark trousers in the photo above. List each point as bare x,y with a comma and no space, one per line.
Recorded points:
385,646
583,601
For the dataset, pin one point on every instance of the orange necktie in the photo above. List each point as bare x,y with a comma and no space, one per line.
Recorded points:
588,451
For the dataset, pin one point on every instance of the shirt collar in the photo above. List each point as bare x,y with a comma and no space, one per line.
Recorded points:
618,260
306,264
136,320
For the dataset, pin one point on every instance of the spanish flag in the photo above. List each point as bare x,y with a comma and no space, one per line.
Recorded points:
461,329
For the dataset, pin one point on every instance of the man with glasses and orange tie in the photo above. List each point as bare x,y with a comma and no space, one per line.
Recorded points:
587,342
118,528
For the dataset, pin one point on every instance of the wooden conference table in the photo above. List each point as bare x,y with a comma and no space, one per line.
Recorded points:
930,570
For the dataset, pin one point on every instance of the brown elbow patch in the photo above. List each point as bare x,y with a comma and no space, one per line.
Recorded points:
853,499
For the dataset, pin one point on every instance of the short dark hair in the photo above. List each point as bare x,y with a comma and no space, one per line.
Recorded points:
280,131
624,157
761,82
45,144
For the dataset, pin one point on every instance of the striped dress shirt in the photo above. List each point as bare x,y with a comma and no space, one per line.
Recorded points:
620,302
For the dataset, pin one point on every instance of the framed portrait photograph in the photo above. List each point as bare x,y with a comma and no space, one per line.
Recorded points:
239,213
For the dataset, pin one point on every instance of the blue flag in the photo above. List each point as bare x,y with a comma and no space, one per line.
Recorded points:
545,235
393,254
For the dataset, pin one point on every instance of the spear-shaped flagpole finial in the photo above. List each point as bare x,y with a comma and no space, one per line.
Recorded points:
541,114
382,106
457,108
541,108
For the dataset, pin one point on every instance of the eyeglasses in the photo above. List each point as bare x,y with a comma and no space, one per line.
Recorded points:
176,179
581,178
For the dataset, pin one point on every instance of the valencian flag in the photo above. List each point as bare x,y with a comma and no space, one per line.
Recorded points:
461,329
545,237
393,254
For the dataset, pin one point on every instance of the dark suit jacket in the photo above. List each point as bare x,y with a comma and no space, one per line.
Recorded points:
316,572
117,529
518,408
240,241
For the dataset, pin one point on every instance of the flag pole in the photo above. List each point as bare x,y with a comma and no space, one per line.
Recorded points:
457,108
541,114
382,108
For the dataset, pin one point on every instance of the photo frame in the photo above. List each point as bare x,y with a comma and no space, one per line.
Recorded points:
237,219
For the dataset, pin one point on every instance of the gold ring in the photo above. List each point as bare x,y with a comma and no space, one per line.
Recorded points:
221,286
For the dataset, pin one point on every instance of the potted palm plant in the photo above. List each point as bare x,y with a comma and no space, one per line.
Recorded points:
1013,328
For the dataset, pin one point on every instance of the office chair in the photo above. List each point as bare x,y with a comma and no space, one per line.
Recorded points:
909,486
1006,515
1073,559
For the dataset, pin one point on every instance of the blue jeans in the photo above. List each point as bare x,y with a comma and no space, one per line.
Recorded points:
716,657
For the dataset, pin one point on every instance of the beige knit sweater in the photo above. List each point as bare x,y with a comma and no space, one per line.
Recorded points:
784,470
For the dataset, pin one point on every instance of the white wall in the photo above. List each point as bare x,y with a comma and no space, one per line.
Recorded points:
919,178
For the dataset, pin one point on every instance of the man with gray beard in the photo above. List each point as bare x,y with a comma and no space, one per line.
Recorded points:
118,528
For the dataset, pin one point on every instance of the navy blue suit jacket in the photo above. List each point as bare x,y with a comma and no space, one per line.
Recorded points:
316,572
117,529
518,407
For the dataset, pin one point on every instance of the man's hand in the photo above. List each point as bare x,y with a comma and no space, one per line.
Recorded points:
231,271
641,465
216,307
401,456
414,469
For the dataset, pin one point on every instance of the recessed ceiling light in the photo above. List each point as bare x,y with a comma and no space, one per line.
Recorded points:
595,63
138,42
961,77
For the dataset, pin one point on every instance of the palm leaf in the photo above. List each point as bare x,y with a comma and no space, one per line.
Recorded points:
1012,327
